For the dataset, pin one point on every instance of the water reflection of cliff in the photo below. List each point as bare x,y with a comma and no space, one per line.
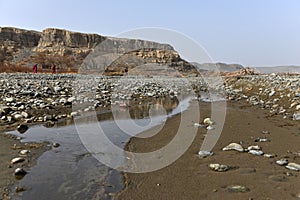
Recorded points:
154,107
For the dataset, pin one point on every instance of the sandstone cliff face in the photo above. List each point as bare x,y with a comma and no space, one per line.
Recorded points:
52,37
19,37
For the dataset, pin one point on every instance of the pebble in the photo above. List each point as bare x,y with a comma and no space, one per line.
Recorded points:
204,154
24,152
22,128
17,160
254,147
296,116
20,189
20,172
293,166
55,144
270,155
238,188
219,167
207,121
18,116
261,140
256,152
282,162
233,146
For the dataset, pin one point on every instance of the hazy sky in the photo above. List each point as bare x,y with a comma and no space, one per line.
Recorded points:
250,32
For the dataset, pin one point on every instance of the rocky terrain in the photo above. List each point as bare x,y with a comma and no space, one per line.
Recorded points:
279,69
43,98
221,67
28,98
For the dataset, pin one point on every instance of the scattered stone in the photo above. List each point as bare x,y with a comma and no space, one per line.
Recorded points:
270,155
19,172
265,132
17,160
74,114
9,99
24,114
207,121
282,162
55,144
204,154
256,152
24,152
272,93
293,166
238,188
22,128
296,116
233,146
48,118
219,167
18,116
261,140
20,189
254,147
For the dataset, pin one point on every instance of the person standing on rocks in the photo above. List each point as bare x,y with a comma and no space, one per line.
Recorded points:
35,68
53,67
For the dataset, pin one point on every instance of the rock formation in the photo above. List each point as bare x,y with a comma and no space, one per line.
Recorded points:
103,54
26,47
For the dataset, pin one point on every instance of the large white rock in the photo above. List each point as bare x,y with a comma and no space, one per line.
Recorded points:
233,146
293,166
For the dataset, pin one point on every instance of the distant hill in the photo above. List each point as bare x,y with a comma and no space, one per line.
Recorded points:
221,67
279,69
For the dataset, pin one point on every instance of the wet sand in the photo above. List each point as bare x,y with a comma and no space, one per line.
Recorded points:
190,178
9,149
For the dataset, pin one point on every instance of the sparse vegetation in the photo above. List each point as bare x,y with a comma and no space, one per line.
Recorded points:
12,68
64,63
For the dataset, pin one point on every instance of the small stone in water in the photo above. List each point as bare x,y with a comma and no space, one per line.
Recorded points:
20,189
55,144
19,172
22,128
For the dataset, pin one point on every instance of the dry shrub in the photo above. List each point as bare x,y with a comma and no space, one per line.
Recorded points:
12,68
